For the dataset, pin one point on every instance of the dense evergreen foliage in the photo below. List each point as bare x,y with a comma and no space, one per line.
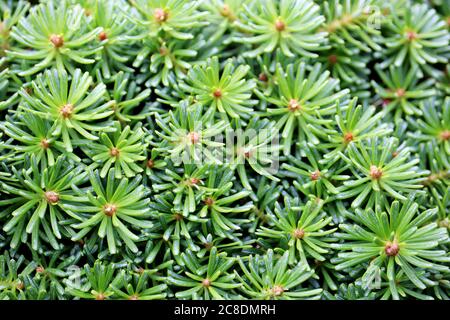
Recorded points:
224,149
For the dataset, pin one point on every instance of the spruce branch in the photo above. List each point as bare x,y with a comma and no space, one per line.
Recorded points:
59,36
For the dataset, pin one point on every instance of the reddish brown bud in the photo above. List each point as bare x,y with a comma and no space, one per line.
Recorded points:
29,90
208,245
209,201
445,135
411,35
140,270
206,283
400,92
385,102
293,105
315,175
263,77
194,181
160,15
102,36
299,233
194,137
51,197
217,93
20,285
277,290
66,111
109,209
348,137
163,50
100,296
279,25
45,144
150,163
225,11
375,172
332,59
391,249
114,152
318,263
57,40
